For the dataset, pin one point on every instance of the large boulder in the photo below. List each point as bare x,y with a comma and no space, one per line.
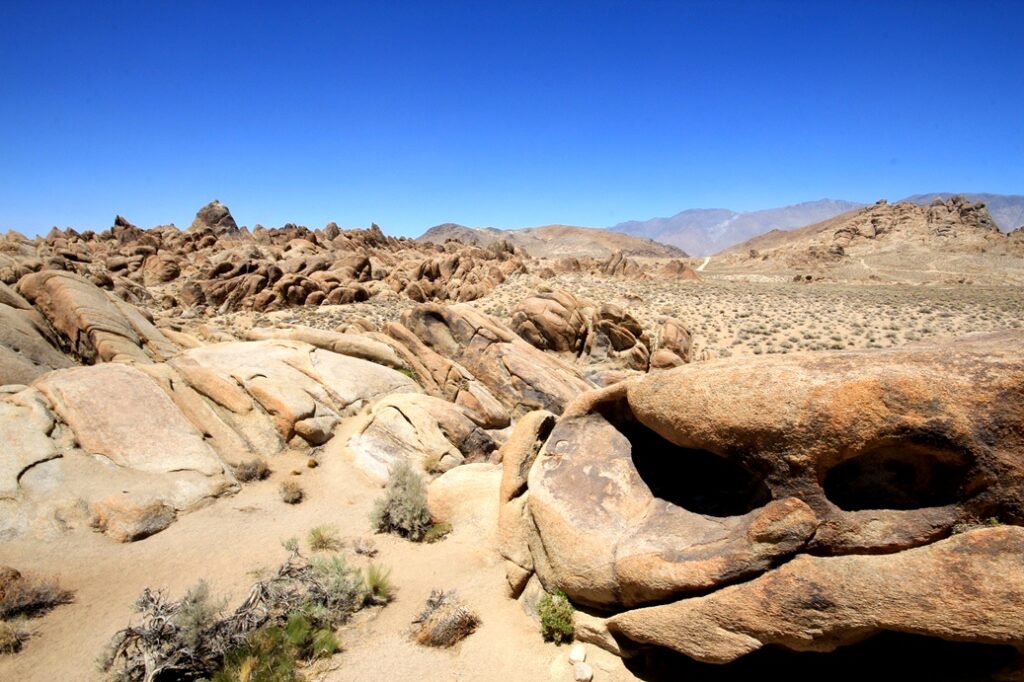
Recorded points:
664,490
431,434
555,321
102,446
96,325
522,377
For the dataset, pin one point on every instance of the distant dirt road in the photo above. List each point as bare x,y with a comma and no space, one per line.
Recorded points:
700,268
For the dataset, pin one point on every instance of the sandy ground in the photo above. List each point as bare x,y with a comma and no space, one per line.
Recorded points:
228,542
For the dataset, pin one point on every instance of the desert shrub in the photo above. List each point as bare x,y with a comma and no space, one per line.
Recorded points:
12,635
444,620
270,653
196,612
555,613
323,538
403,509
252,470
342,589
437,531
378,582
30,595
288,615
291,492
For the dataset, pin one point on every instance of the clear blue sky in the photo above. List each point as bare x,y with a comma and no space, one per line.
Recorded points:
497,113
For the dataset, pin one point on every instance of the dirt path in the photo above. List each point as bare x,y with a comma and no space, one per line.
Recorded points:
229,540
700,268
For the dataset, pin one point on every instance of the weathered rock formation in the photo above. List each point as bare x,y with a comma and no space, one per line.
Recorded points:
672,500
948,240
215,266
591,334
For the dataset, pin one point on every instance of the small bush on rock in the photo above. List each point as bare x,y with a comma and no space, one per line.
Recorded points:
555,613
403,509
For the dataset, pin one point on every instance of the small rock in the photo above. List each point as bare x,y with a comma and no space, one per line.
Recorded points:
312,463
582,672
578,654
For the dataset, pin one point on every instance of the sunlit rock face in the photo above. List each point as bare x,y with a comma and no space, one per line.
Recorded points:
805,501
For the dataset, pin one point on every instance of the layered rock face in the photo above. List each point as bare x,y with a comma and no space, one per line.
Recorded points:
593,334
804,501
216,266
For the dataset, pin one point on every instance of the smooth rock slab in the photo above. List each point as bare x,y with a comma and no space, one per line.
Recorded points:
117,411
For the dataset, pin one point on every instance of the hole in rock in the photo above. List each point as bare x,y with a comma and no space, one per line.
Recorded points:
887,656
897,476
696,480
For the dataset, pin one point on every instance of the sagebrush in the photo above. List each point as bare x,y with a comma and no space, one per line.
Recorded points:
403,509
189,639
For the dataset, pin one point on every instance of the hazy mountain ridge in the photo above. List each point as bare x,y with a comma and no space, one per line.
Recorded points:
554,241
702,231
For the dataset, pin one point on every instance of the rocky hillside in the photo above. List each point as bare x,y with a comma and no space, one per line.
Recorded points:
946,240
1007,210
703,231
554,241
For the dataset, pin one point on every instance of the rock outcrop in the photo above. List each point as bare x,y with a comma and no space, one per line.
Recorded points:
670,499
216,266
604,335
950,240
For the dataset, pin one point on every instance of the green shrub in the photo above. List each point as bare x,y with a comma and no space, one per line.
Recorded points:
289,615
323,538
344,590
403,509
555,613
270,653
196,612
437,531
252,470
378,581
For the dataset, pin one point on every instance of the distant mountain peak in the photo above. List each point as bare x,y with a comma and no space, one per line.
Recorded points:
703,231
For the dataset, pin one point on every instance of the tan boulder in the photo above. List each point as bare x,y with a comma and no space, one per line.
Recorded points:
467,498
430,433
719,496
118,412
26,352
95,324
957,589
517,374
